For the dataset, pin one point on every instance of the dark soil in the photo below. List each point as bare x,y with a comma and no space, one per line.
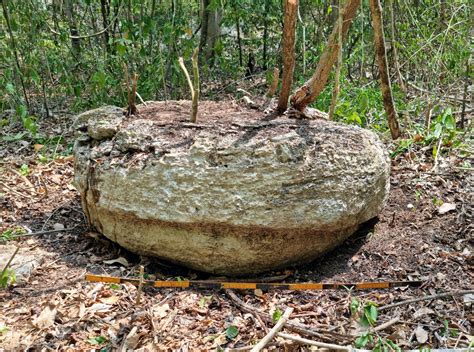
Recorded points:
53,307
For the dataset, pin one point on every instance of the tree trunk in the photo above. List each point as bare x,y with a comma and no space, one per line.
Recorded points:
289,26
265,35
239,41
335,92
393,44
75,42
213,33
105,11
204,23
15,52
314,86
379,39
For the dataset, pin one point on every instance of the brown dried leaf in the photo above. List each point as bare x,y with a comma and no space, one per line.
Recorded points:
45,318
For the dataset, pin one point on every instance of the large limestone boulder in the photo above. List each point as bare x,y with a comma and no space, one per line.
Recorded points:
236,193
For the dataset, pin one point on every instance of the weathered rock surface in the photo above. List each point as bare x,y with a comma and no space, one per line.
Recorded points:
236,193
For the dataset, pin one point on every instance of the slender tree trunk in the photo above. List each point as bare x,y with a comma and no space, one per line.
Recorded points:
335,92
105,11
393,44
213,33
315,85
70,14
15,52
379,39
239,41
289,26
204,23
152,16
265,35
466,86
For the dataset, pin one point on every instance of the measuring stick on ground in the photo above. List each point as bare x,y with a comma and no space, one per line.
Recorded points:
254,285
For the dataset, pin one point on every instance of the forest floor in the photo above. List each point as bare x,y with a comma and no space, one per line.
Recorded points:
424,233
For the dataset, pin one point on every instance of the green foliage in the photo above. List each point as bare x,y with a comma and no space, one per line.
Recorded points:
148,36
364,340
24,170
7,278
231,332
370,314
115,287
447,331
277,314
4,329
11,233
354,306
98,340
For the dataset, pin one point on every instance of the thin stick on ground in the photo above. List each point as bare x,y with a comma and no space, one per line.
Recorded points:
427,298
140,285
278,326
295,327
313,343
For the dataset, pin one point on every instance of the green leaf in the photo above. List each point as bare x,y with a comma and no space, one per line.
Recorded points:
354,306
232,332
276,315
115,287
24,170
370,314
393,345
363,340
10,88
4,329
438,130
450,122
98,340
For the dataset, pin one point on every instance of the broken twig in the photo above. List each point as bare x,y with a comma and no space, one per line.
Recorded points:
427,298
304,341
278,326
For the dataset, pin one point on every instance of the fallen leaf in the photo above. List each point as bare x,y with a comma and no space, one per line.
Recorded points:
161,311
446,207
58,226
99,307
119,260
258,292
132,339
38,147
422,311
46,318
110,300
421,335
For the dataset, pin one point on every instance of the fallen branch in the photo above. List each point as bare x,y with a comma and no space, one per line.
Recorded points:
313,343
427,298
295,327
40,233
278,326
386,324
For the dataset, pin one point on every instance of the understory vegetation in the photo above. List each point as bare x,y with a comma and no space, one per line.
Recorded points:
62,57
